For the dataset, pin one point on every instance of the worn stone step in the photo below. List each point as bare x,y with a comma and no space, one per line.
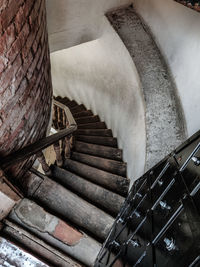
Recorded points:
78,108
94,132
96,194
69,205
88,119
63,100
84,113
35,246
98,140
108,165
55,232
98,150
108,180
95,125
70,104
58,98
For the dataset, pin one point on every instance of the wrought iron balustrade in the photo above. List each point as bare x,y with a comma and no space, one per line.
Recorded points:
159,223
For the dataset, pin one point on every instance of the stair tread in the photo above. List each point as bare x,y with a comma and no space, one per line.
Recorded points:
87,119
40,248
82,114
109,165
102,197
108,180
70,104
93,125
94,132
34,218
77,109
98,150
98,140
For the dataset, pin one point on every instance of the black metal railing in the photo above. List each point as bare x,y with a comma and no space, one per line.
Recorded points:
159,223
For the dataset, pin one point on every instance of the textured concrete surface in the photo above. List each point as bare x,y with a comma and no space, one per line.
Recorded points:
164,124
176,31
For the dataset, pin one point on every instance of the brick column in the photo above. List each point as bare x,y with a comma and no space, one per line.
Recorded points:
25,79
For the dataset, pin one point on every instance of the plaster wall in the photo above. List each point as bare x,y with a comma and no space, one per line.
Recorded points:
72,22
176,31
101,74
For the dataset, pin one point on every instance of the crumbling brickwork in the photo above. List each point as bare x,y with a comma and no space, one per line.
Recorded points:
25,80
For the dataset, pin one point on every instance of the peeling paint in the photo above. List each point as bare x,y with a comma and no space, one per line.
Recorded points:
67,234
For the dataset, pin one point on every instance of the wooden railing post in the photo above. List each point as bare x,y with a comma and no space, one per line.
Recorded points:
67,147
42,161
59,159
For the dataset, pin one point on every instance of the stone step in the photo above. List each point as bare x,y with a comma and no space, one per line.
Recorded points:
68,205
35,246
96,194
95,125
88,119
108,180
78,108
98,140
98,150
81,114
113,166
70,104
94,132
33,218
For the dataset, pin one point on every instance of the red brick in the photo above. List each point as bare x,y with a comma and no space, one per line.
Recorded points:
34,64
26,104
20,19
10,12
34,12
9,74
18,44
22,72
3,5
3,63
67,234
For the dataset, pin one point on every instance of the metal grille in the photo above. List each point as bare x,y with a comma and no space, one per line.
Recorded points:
159,224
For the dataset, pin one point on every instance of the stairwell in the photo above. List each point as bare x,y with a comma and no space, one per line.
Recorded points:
65,218
66,213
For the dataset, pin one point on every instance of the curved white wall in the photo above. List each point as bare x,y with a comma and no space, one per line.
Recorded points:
72,22
176,31
102,75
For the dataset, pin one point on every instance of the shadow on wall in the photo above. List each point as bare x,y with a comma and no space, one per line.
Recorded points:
72,22
101,75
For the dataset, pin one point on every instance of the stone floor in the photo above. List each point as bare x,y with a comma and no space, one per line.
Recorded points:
164,122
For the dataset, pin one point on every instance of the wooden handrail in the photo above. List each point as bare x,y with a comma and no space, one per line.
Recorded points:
41,144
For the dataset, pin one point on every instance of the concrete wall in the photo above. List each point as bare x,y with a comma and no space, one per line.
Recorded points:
102,75
72,22
176,31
